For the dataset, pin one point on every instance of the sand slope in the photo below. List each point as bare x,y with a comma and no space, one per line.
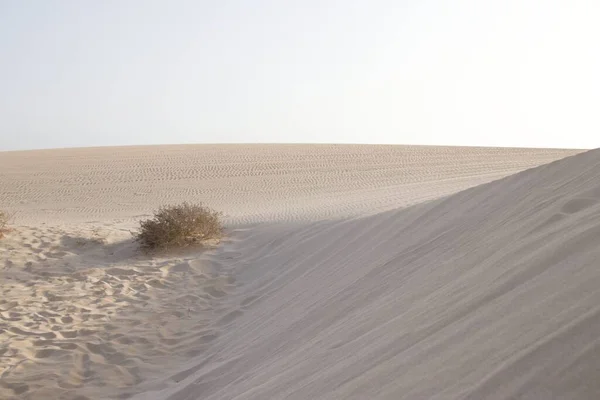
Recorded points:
487,293
491,293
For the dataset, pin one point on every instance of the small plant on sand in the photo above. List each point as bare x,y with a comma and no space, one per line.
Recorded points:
4,219
179,225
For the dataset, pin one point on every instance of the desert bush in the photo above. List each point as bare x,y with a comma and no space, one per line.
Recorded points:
179,225
4,219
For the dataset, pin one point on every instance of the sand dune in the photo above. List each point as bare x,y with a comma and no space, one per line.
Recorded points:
487,294
250,183
335,291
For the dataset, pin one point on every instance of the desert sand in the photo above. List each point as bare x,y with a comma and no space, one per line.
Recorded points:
347,272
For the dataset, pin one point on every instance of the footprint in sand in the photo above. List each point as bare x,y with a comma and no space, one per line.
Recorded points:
68,334
208,268
10,316
248,301
214,292
17,388
229,317
19,331
45,353
56,254
576,205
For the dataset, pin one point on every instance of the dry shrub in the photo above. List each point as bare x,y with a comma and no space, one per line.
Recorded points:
180,225
4,220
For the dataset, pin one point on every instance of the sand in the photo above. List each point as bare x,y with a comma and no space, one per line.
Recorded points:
348,272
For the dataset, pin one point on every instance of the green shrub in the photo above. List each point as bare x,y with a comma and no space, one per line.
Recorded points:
180,225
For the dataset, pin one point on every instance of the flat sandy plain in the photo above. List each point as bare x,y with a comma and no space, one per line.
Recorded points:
348,272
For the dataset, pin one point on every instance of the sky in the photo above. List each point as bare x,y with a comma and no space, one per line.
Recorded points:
77,73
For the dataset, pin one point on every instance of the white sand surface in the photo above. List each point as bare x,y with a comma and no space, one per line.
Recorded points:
327,286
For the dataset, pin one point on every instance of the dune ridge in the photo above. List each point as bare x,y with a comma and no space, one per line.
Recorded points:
485,293
489,293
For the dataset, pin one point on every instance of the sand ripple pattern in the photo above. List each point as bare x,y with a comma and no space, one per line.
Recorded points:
250,183
84,314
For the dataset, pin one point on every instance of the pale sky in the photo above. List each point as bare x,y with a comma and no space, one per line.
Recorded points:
456,72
